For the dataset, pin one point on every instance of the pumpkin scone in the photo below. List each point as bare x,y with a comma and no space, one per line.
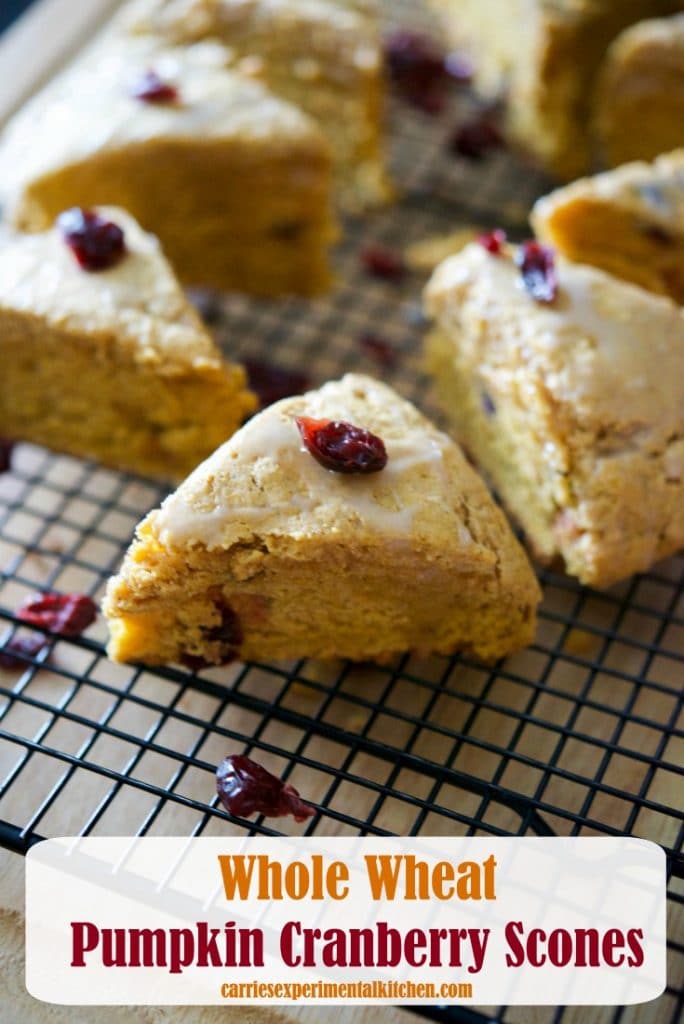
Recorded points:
340,523
102,355
233,180
629,221
544,55
639,109
324,56
567,386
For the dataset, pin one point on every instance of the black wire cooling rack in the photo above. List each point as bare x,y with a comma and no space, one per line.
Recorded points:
579,735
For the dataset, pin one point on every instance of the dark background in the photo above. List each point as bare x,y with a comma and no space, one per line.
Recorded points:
11,9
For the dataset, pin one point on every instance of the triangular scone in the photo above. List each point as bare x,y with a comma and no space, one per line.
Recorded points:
325,56
233,180
262,553
111,364
629,221
573,407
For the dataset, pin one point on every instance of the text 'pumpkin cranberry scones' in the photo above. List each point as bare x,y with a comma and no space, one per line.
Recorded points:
233,180
567,386
324,56
629,221
102,355
336,524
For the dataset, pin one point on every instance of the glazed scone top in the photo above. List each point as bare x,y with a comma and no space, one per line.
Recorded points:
90,108
39,272
608,356
335,26
651,191
263,482
139,296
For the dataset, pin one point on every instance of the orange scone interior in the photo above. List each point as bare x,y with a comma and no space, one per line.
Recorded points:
265,553
629,221
111,364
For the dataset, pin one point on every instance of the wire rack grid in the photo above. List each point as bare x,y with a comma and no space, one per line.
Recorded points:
578,735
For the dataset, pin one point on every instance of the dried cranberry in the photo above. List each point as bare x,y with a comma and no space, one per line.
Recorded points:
488,406
287,230
19,650
271,382
493,241
381,351
150,88
476,137
195,662
538,269
96,243
383,262
6,449
417,68
245,787
342,447
66,614
228,632
658,234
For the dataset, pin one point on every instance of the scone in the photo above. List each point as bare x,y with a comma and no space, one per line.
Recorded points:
574,407
324,56
545,55
233,180
629,221
639,109
266,552
102,356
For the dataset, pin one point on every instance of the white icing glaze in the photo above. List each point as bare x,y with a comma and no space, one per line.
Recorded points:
610,354
38,271
274,437
629,330
575,306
